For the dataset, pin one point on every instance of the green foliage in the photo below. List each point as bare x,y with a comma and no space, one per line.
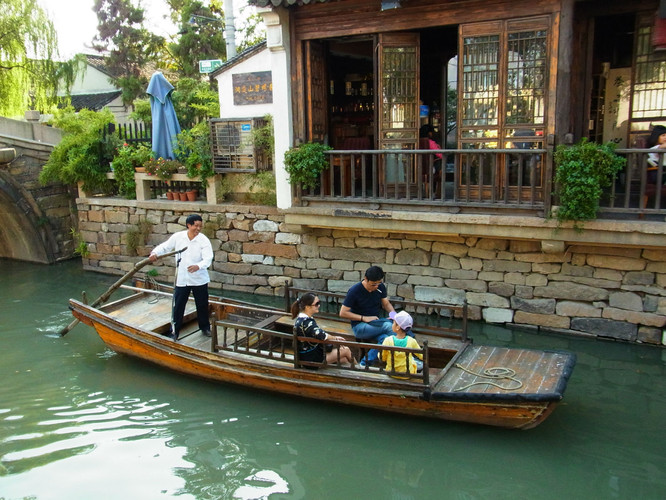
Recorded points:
83,155
262,189
137,236
153,273
263,138
29,70
305,163
130,46
199,41
193,150
81,247
252,31
127,159
582,173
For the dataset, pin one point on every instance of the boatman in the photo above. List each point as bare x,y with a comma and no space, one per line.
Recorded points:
191,272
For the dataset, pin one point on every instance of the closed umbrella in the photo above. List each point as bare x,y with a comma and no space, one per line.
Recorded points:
165,122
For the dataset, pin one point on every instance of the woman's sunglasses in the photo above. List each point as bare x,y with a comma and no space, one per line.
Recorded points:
316,304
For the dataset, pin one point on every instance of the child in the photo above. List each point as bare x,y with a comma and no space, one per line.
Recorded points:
397,360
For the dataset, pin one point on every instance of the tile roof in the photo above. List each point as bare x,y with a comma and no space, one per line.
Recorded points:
240,57
94,102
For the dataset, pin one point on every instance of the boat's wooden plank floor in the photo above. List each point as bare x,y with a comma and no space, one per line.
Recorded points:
149,314
538,372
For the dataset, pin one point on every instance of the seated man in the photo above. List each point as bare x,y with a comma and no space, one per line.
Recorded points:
362,306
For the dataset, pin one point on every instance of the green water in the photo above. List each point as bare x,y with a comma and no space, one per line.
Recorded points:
80,422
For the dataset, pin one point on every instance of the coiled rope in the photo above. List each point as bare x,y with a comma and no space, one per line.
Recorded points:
494,373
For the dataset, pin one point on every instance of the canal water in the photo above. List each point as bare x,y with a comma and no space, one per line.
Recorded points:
80,422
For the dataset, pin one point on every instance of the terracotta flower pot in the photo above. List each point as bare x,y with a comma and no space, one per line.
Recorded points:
169,195
192,195
182,196
140,170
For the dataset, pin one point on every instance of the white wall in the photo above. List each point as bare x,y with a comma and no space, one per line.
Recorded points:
260,61
91,81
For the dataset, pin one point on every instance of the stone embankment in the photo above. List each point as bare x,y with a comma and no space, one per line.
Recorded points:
611,292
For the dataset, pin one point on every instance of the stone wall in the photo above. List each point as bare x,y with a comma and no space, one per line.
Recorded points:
609,292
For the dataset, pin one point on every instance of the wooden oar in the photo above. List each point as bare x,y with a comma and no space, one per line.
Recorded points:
105,296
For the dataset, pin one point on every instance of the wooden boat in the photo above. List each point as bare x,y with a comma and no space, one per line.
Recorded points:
253,346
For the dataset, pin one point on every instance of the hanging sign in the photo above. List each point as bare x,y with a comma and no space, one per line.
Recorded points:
210,65
253,88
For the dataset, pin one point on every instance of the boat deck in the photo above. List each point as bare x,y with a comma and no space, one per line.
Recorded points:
505,371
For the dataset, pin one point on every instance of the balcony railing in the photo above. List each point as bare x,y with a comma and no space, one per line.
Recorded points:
463,179
474,181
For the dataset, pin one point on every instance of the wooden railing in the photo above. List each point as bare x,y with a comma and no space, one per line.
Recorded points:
639,189
476,181
479,179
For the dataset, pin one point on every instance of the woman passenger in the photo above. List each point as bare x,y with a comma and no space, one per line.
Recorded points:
303,309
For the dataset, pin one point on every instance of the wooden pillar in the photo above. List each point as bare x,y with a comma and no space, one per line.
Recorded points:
563,112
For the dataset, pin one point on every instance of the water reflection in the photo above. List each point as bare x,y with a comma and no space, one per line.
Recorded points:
79,421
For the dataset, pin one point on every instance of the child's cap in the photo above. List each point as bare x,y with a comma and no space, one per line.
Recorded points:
403,319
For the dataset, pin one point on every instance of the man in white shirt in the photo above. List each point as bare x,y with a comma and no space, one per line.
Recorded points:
192,272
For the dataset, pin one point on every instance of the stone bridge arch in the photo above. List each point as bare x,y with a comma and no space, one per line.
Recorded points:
35,220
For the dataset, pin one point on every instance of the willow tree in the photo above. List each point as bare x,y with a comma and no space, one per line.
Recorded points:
29,71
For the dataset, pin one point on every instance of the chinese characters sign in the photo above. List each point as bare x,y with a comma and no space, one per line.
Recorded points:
253,88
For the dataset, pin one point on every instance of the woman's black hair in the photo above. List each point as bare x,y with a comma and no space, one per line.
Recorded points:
307,299
653,140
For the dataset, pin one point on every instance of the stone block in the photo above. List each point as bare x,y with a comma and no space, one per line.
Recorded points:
96,216
593,282
538,306
232,268
608,274
345,243
251,279
315,284
524,292
113,216
267,270
451,249
414,256
266,225
656,267
470,285
461,274
570,291
286,251
522,246
626,300
507,266
492,244
634,253
638,278
514,278
501,288
536,280
615,262
406,292
479,253
329,274
448,262
491,276
425,281
472,264
546,268
542,258
571,270
653,254
440,295
543,320
497,315
363,255
252,258
487,300
233,247
259,236
378,243
605,328
649,335
642,318
577,309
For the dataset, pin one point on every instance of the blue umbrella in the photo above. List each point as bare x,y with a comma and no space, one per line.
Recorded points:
165,122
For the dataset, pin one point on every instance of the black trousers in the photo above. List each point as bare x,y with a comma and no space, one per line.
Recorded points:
180,296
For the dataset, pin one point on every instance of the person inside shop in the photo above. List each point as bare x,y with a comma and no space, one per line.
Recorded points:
426,141
657,141
191,272
303,310
362,306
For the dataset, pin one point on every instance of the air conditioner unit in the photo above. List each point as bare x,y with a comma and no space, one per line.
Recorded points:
233,148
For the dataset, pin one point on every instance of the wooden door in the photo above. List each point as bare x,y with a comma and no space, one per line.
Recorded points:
316,96
398,101
502,100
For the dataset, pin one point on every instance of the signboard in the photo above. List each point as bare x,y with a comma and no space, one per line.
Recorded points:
253,88
210,65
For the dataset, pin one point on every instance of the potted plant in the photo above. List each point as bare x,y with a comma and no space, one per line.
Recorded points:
125,163
305,163
193,150
159,167
582,173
